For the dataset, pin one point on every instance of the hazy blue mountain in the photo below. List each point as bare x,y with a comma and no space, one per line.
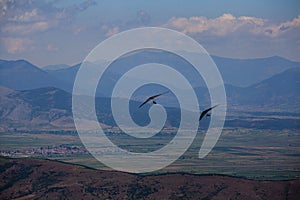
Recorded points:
22,75
55,67
236,72
277,93
51,107
278,89
245,72
66,74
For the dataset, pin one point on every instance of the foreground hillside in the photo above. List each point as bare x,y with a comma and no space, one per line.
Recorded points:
44,179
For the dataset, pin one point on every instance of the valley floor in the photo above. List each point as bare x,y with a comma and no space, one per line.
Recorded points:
255,154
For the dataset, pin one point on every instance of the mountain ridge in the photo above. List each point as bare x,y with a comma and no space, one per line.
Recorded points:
22,75
236,72
51,107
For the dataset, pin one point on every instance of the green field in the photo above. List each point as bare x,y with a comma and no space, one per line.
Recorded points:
258,154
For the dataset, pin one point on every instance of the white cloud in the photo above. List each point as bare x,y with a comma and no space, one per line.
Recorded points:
28,16
228,24
112,31
242,36
279,29
22,29
17,45
222,25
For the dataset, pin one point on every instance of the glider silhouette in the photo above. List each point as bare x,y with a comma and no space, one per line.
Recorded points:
204,113
152,98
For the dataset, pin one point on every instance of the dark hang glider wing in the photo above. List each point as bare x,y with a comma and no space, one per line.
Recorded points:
152,97
145,102
206,111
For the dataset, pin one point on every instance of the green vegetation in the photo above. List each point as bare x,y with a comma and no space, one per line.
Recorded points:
258,154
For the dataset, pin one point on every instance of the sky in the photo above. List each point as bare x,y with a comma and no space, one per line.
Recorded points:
64,32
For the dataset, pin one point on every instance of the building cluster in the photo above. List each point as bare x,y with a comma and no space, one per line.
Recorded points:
45,151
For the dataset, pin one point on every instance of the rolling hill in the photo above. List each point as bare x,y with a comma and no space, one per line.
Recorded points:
45,179
43,108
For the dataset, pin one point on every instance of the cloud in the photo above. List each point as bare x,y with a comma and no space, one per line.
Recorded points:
228,24
20,17
225,24
143,17
52,48
279,29
73,10
23,29
26,17
17,45
111,31
86,4
242,36
22,20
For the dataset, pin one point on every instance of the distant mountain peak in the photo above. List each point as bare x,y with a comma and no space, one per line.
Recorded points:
22,75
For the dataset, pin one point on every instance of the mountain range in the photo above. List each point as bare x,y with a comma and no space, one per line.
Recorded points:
33,97
22,75
51,108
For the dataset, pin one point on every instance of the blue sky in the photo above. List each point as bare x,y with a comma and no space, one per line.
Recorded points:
54,32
